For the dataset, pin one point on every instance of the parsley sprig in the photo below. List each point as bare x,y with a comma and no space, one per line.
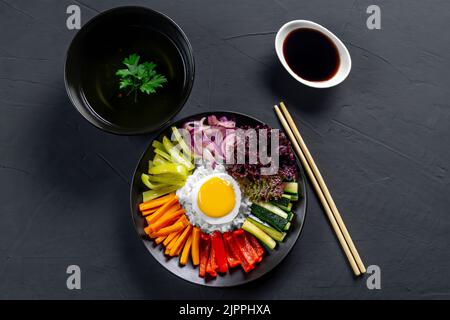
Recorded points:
139,77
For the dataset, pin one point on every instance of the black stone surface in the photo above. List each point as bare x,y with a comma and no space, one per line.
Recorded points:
381,140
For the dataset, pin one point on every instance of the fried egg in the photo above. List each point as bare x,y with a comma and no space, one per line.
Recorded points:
217,198
213,200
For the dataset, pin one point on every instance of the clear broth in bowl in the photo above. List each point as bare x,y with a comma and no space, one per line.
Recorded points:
101,85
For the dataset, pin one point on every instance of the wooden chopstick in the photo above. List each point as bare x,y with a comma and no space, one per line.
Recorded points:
324,188
319,191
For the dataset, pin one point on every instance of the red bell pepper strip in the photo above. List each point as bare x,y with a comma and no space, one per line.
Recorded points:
232,258
245,247
219,250
205,245
211,266
249,247
256,245
236,249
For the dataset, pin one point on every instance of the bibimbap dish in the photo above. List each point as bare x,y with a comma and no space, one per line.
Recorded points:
219,198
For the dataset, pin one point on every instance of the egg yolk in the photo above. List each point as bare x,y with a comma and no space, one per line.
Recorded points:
216,198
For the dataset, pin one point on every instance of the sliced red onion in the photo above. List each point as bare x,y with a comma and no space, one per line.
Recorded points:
229,141
210,141
212,120
207,155
224,122
212,146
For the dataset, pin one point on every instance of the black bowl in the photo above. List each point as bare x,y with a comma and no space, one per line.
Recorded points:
98,50
235,276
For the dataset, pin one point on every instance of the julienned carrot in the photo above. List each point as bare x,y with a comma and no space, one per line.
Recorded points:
186,250
176,249
170,237
177,226
152,235
156,202
167,219
172,243
173,223
174,207
147,230
148,212
160,239
161,210
195,252
180,224
178,252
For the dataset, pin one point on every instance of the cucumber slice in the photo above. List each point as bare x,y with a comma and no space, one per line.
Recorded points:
291,197
272,208
283,201
287,208
291,216
260,234
291,187
274,234
267,216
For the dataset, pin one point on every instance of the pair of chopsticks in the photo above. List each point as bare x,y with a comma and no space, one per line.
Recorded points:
321,189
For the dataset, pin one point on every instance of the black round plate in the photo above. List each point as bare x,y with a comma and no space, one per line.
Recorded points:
235,276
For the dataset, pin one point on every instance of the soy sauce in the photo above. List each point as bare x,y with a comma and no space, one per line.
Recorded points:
311,54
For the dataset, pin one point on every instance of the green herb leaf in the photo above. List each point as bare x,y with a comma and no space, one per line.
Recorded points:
123,73
155,82
141,72
132,60
125,83
150,67
141,77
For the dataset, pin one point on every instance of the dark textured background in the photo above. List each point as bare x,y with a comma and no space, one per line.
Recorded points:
381,140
